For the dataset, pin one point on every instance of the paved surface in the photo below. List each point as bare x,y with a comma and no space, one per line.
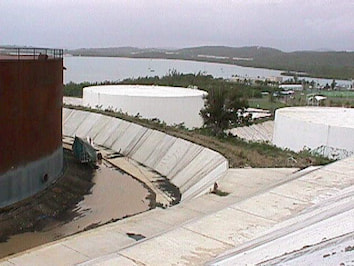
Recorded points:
174,225
323,235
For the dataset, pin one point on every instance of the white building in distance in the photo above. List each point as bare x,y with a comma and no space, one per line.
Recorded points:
293,87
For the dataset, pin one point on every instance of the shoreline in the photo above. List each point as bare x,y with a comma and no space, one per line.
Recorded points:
212,61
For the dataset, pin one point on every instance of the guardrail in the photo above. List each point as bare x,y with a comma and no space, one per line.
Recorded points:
31,53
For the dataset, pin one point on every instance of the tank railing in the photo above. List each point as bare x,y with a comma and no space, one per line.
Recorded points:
31,53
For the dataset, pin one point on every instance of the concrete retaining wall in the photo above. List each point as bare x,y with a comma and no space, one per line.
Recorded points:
191,167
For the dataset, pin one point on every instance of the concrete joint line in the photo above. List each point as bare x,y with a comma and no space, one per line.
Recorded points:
131,259
253,214
314,182
209,237
137,142
288,197
68,247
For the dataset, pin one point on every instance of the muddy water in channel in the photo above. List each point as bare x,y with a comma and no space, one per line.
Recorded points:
112,195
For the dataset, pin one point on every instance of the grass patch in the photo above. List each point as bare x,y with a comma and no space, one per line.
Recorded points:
338,94
265,103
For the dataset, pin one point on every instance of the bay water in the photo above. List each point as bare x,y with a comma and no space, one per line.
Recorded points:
99,69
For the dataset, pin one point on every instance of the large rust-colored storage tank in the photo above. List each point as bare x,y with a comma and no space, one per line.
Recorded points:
31,155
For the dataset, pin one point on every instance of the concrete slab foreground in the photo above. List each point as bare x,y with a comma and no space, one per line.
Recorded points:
110,260
191,247
271,206
241,226
58,254
314,242
108,241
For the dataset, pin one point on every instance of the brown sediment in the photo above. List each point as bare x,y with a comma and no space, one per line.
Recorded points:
82,199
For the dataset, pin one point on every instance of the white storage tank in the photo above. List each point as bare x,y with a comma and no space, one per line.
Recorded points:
328,130
173,105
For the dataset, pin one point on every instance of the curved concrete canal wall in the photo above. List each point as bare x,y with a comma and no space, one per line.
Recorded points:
189,166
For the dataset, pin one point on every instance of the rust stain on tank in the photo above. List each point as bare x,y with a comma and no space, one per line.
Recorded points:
30,110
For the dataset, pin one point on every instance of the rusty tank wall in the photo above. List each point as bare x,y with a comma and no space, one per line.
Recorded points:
31,155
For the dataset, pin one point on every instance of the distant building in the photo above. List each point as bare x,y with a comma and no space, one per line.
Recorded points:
315,99
275,79
257,113
294,87
255,80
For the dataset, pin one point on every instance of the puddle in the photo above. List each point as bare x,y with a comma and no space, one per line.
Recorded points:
115,195
108,195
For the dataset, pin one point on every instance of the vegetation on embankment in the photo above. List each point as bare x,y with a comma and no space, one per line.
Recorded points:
238,152
75,89
328,64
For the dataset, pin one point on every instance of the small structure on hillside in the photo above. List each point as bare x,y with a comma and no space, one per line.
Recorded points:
293,87
257,113
315,100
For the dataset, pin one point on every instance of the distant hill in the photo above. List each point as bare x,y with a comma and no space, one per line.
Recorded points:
326,64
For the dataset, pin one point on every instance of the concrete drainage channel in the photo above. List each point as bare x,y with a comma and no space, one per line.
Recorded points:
190,167
165,193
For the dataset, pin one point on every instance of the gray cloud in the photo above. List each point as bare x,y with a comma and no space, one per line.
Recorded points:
284,24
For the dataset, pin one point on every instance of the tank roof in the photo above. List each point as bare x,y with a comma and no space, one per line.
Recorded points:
146,91
29,53
334,116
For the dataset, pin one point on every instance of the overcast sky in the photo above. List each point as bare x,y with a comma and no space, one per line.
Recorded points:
284,24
